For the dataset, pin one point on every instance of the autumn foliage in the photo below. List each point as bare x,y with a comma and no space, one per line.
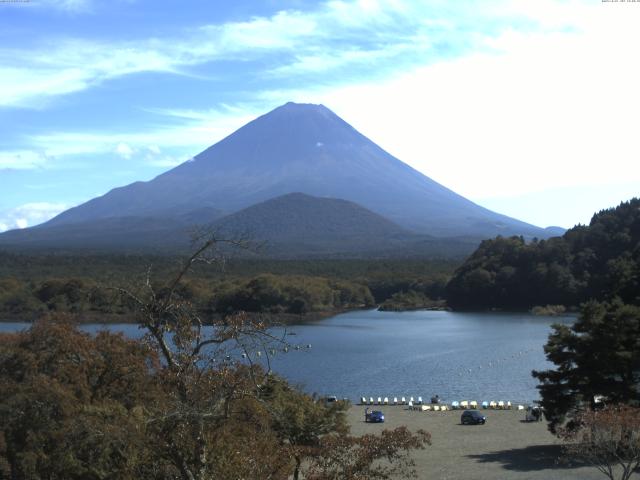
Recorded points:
608,439
186,401
72,405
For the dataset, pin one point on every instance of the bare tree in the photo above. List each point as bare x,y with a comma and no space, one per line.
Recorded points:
202,381
608,439
221,418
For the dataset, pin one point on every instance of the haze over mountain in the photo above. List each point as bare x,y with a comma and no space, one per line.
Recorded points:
291,226
294,148
297,224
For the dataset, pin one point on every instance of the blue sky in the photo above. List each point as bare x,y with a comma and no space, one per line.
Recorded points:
526,107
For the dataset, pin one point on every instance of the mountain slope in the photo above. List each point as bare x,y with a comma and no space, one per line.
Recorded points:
302,148
298,224
297,216
292,226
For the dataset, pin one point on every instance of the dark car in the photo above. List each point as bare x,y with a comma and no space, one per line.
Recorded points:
374,417
472,417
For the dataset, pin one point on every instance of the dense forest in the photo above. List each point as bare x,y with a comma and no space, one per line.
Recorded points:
293,290
600,261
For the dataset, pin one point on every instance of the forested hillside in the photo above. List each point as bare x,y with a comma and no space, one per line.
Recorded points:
31,285
600,261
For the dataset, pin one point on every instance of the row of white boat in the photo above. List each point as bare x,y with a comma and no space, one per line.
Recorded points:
455,405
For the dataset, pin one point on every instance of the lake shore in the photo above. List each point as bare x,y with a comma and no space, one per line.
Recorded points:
505,448
112,319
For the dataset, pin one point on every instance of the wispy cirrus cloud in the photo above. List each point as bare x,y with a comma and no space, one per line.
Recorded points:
490,89
337,34
541,102
22,160
185,134
69,66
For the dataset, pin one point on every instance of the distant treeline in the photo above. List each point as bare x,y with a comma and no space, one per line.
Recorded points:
88,285
112,267
600,261
264,293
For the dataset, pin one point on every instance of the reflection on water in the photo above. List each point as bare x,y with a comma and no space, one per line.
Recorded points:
472,356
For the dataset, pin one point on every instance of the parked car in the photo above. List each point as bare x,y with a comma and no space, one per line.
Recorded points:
534,414
375,416
330,399
472,417
599,402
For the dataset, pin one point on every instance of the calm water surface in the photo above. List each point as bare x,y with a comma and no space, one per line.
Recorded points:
473,356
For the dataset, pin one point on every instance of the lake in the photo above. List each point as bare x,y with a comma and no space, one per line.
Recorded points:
459,356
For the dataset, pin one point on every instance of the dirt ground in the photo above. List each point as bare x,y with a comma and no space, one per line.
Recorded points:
506,447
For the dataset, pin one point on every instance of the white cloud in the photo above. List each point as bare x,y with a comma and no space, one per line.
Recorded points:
539,124
551,206
124,150
30,77
322,61
530,110
192,132
22,223
22,160
155,158
312,41
29,214
537,111
166,161
548,103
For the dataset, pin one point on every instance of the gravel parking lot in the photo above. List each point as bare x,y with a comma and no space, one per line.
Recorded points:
506,447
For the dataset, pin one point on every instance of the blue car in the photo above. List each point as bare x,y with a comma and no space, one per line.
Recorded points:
472,417
375,416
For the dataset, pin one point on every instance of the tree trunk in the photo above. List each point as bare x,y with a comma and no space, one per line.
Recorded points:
296,472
